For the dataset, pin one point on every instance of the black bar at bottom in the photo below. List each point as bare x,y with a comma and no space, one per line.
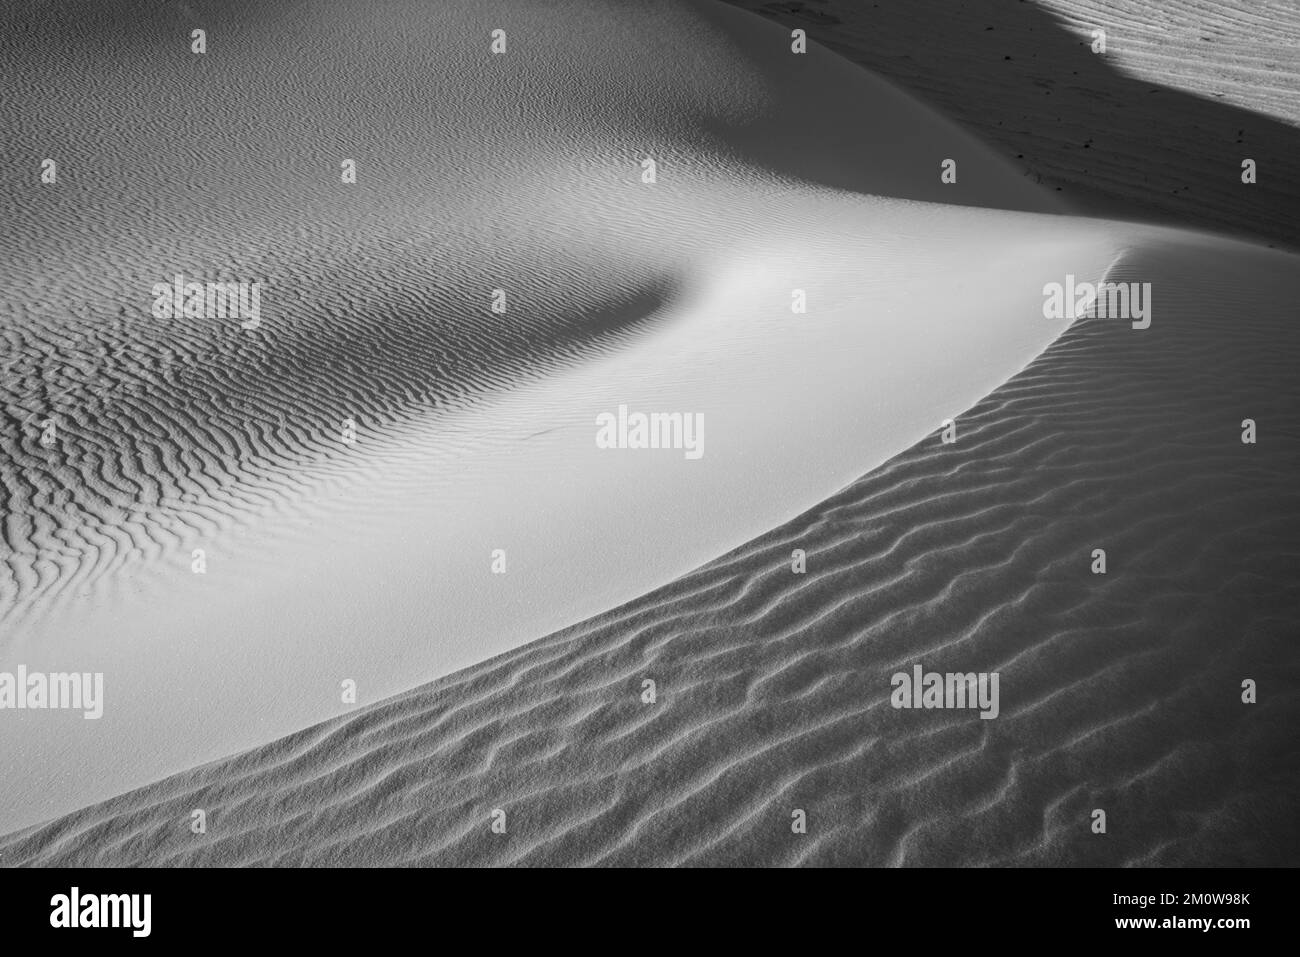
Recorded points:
333,907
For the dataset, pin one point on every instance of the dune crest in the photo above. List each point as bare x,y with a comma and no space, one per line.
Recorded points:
231,520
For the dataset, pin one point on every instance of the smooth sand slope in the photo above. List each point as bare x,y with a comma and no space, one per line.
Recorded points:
372,562
1119,692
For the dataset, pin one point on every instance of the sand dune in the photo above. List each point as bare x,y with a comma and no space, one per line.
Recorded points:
1119,691
377,294
327,561
371,561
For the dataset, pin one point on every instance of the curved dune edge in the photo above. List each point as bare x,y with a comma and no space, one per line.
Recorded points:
327,562
479,172
390,586
1119,692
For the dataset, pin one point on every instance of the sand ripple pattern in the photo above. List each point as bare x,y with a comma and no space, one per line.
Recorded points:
165,438
376,296
1118,691
474,173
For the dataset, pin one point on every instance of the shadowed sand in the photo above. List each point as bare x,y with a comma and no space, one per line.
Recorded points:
1154,128
1119,692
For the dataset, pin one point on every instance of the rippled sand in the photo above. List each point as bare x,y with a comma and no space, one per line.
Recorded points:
371,562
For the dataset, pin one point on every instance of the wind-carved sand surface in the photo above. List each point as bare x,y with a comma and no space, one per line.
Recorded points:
1119,692
372,561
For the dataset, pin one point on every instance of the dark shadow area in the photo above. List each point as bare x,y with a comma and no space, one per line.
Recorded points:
1028,84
